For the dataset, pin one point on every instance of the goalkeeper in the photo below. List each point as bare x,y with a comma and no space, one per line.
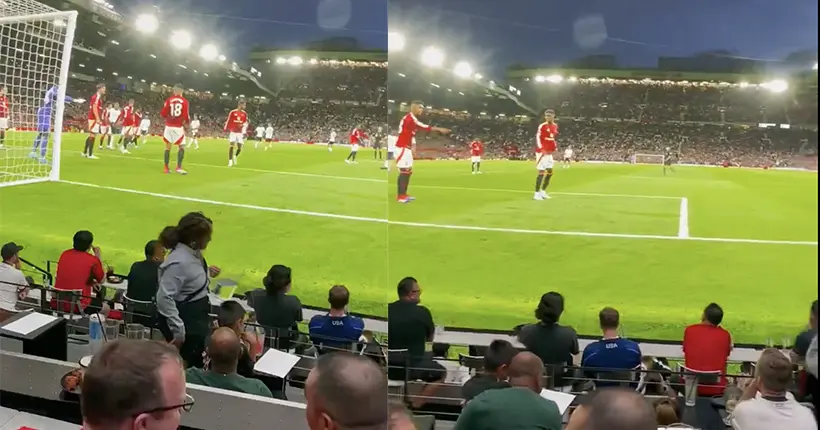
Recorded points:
669,158
44,114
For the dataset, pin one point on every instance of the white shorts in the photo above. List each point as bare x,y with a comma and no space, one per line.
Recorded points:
94,127
105,129
194,132
354,147
174,135
236,138
4,123
128,130
404,158
544,161
475,158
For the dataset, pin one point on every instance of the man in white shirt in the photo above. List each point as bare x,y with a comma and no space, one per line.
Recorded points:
268,136
766,404
260,134
12,281
194,138
145,124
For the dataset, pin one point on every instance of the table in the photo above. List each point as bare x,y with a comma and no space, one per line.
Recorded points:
122,286
25,419
6,415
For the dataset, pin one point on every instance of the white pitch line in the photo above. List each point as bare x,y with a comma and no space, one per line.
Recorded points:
439,226
683,220
501,190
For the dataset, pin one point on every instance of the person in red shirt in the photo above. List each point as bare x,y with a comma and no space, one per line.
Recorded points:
404,143
545,146
95,121
236,125
357,136
706,347
476,151
4,115
127,120
175,113
81,271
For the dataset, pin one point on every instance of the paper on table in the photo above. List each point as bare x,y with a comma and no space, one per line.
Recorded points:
276,363
29,323
562,400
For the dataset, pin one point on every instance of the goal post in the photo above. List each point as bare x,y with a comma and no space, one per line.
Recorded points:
35,47
648,159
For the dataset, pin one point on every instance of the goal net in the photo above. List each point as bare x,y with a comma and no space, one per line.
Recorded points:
647,159
35,50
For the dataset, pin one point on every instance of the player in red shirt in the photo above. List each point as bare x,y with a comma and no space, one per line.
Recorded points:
175,113
545,147
4,115
404,143
95,121
127,120
357,137
236,125
476,151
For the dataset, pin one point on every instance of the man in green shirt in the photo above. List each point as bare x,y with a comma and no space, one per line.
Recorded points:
519,407
223,354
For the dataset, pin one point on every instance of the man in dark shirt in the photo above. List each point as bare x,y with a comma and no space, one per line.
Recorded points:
610,354
497,359
276,310
336,330
803,340
410,326
553,343
143,283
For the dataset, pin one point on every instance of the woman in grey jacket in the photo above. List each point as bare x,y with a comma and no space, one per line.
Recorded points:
182,298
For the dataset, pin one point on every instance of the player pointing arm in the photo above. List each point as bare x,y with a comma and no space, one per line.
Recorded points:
404,144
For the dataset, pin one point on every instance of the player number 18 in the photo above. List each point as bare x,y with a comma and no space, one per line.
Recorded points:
176,109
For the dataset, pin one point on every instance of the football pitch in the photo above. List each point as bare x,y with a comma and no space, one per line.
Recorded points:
658,248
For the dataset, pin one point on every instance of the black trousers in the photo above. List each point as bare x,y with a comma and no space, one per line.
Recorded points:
195,316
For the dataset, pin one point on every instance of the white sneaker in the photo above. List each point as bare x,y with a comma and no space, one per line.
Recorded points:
125,151
110,147
479,172
235,161
474,172
83,154
230,163
347,161
537,196
93,157
545,195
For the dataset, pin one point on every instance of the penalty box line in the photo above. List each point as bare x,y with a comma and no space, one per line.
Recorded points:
441,226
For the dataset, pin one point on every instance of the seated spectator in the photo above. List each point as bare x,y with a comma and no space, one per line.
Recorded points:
224,349
706,347
400,418
81,272
231,315
346,391
13,282
612,353
143,282
497,361
803,340
411,326
667,412
275,309
336,330
555,344
456,373
134,384
766,404
612,409
518,407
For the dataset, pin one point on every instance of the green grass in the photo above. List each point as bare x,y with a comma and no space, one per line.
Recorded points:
473,278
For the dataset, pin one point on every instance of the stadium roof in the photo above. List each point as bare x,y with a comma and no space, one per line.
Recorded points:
274,54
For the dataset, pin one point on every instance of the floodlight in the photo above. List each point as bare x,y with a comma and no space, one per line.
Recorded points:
209,52
777,86
395,42
463,69
281,60
146,23
295,61
555,79
540,78
221,57
432,57
181,39
814,67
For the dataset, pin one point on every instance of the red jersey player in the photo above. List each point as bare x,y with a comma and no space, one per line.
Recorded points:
95,121
476,151
545,147
175,113
4,116
127,120
236,125
404,144
357,137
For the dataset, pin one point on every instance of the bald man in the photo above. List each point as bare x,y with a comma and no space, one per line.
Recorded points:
220,366
613,409
518,407
345,391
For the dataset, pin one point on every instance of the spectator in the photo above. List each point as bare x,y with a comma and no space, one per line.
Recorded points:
612,353
497,361
276,310
336,330
134,384
346,391
804,339
81,272
667,412
224,350
400,418
553,343
410,327
13,282
182,298
613,409
143,283
232,315
706,348
518,407
766,404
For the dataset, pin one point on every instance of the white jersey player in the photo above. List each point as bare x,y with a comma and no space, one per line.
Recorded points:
260,134
145,124
331,140
113,114
193,139
268,136
567,161
391,149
